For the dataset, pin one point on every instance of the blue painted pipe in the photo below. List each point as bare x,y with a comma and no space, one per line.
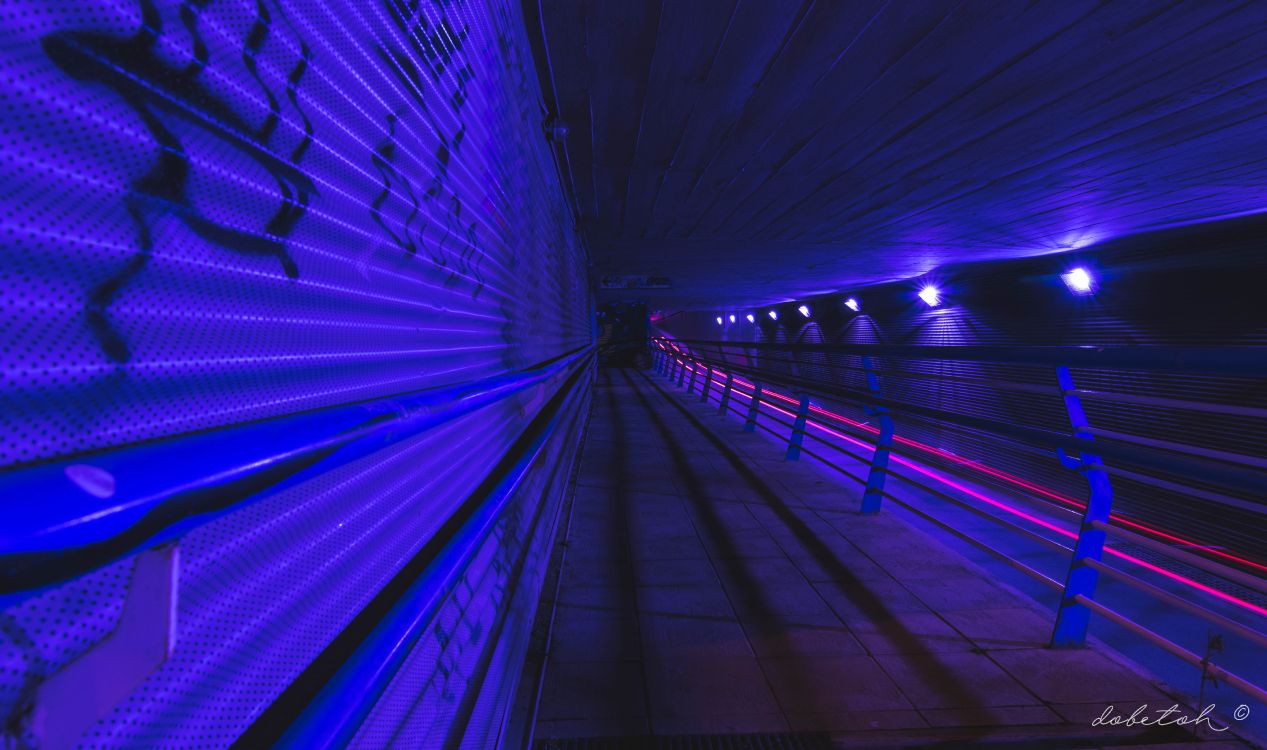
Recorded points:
161,491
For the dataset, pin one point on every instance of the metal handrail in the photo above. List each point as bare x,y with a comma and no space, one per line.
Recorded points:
1033,536
1235,477
1035,388
1093,563
1211,360
151,493
330,701
1196,561
1175,649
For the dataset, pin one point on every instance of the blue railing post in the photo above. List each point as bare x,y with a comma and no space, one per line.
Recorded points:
725,393
798,429
690,388
681,372
708,379
883,445
672,367
1072,619
750,423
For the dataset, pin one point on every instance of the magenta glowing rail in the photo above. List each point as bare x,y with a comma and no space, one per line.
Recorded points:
997,503
1015,480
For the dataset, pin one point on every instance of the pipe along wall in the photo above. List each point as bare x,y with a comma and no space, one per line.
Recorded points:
324,245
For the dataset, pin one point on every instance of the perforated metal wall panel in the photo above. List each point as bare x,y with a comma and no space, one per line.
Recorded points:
221,212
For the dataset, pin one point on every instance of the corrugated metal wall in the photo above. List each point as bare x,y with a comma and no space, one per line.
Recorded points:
225,211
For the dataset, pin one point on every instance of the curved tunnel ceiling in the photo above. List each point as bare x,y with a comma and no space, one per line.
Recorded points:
755,151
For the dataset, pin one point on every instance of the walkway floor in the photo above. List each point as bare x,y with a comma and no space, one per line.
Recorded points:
711,588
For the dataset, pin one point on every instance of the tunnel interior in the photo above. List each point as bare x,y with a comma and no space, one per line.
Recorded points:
588,373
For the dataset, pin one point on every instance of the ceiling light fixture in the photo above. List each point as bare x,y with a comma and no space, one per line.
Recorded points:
931,295
1079,281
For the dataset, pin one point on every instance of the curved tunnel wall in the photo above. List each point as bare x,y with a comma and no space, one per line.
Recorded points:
226,212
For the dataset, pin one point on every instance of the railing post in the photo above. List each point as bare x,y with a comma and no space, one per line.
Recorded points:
708,379
690,388
725,394
672,367
750,423
798,429
883,445
681,372
1072,619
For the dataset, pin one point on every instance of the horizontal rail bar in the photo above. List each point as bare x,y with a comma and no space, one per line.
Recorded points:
1148,588
1167,445
150,493
1034,536
1158,592
330,700
1002,556
1232,502
1224,360
1214,670
1167,548
1171,403
1196,561
1237,477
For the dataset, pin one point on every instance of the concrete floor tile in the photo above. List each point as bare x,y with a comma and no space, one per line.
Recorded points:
771,640
991,716
737,724
668,637
855,721
789,602
679,549
751,544
908,633
593,690
958,594
549,729
837,565
820,684
579,638
699,687
954,680
600,601
862,600
1075,676
694,600
1003,627
675,572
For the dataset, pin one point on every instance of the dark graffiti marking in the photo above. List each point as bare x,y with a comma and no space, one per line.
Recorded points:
158,92
383,159
428,51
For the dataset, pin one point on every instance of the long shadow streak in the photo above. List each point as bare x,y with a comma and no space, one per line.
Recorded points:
934,673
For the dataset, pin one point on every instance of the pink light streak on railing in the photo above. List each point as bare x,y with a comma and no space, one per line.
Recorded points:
991,501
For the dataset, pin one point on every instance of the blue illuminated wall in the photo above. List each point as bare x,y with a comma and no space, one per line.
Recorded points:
217,212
